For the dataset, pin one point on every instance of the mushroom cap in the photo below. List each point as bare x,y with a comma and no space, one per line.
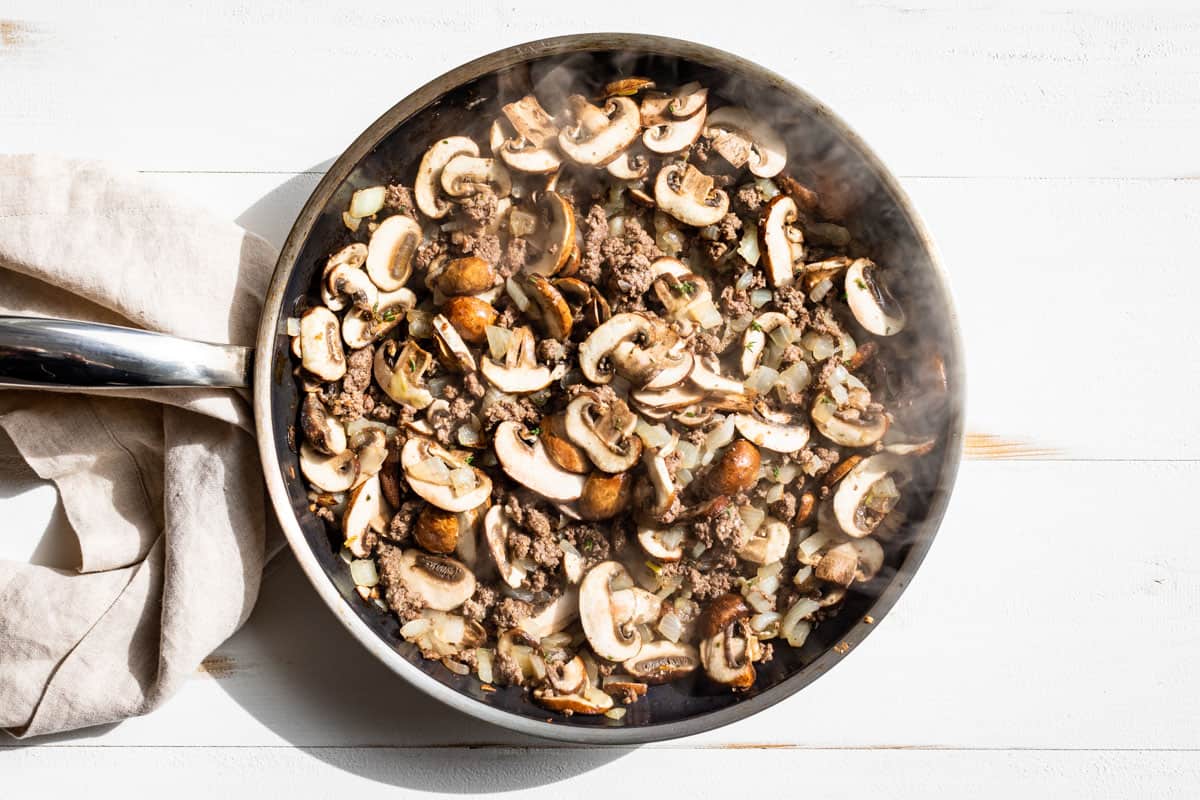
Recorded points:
862,432
870,301
567,677
689,196
604,495
768,153
328,473
852,491
321,344
663,661
870,558
349,281
418,449
464,174
437,530
838,564
601,145
777,241
466,275
427,183
561,449
391,251
603,429
726,659
442,583
470,316
530,466
777,436
323,432
737,470
610,637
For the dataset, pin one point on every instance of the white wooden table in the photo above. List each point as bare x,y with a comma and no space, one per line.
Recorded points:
1048,646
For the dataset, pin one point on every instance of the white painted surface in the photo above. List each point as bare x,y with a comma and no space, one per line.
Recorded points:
1047,646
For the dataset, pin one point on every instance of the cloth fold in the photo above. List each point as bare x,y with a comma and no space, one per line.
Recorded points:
162,487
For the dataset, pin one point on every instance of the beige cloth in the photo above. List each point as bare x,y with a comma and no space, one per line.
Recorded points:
162,488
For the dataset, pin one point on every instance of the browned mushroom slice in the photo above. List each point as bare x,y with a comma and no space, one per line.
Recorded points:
466,175
427,184
321,344
611,608
328,473
346,281
689,196
554,236
662,544
553,311
838,564
534,147
861,430
867,494
392,250
592,701
674,121
736,470
780,241
497,526
605,496
467,275
470,316
599,134
754,340
322,431
728,656
870,301
441,583
777,431
604,430
560,448
436,530
627,87
745,139
818,272
526,463
629,166
366,510
401,373
663,662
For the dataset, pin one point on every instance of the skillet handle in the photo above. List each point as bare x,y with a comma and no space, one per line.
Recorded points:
65,354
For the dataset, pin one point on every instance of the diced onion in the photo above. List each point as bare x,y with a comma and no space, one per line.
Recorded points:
796,377
468,434
293,326
670,241
760,297
821,345
350,222
752,517
718,437
802,574
498,341
765,621
786,474
420,324
820,290
762,379
616,225
431,470
822,411
518,296
839,394
462,480
774,493
705,313
483,664
739,324
782,336
457,667
363,572
849,347
698,549
748,247
798,634
366,202
521,223
812,545
689,454
415,628
683,476
654,436
569,548
767,187
744,280
769,585
616,713
758,601
670,627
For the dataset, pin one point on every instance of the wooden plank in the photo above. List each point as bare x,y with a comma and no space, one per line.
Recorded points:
338,772
1056,610
1015,89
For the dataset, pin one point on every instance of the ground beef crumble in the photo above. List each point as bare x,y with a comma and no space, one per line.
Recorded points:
481,207
479,604
519,410
628,258
595,233
748,200
398,598
350,402
400,527
477,243
398,196
510,611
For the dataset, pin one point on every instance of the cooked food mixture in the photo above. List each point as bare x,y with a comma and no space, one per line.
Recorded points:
607,400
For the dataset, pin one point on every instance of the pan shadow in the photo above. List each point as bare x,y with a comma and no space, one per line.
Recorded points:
323,686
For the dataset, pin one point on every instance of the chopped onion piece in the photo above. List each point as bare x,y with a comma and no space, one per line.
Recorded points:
758,601
849,347
431,470
616,225
468,433
748,247
569,548
415,628
483,664
363,572
798,634
812,545
767,187
521,223
462,480
366,202
762,379
775,492
293,326
518,296
739,324
821,345
457,667
616,713
654,436
760,297
771,570
705,313
765,621
350,222
670,626
769,585
689,454
839,394
796,377
744,280
671,537
820,290
719,436
498,341
420,324
802,574
752,518
683,476
698,549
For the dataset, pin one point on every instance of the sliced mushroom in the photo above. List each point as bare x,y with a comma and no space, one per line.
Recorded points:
567,677
553,311
441,583
445,497
454,351
427,185
345,281
561,449
392,250
771,430
437,530
365,510
838,564
528,464
604,496
467,275
820,271
736,470
629,166
744,139
870,559
604,430
666,400
675,121
321,344
464,175
328,473
780,242
360,327
662,662
554,236
401,373
533,148
728,656
863,430
610,616
470,316
351,256
520,372
635,346
857,505
689,196
496,529
651,540
592,701
754,340
768,544
370,445
554,617
599,134
323,432
665,490
705,375
870,301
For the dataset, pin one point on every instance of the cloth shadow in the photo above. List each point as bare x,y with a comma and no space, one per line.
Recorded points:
320,680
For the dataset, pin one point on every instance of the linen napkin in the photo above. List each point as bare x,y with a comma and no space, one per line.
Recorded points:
162,488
